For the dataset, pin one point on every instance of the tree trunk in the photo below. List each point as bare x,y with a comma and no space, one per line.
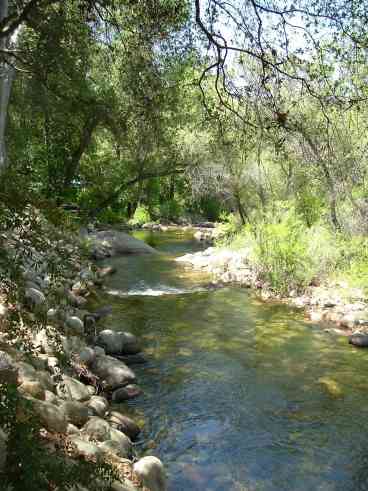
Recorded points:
7,73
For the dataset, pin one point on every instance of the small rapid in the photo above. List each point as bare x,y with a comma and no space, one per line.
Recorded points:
238,395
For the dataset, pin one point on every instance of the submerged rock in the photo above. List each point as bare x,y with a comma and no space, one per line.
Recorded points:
113,242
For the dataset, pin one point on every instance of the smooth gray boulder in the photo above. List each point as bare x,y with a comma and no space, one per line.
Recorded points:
113,242
87,449
51,416
125,393
97,429
74,325
71,389
124,424
32,388
151,471
118,342
99,405
87,356
75,412
114,372
35,297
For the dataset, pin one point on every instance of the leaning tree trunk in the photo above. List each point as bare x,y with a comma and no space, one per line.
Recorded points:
7,72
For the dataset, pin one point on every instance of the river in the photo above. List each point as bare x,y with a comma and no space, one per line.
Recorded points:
238,394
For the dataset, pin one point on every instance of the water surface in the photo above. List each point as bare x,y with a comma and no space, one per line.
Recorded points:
238,394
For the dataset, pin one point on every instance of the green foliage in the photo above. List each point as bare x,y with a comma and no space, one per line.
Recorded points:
141,216
37,461
281,251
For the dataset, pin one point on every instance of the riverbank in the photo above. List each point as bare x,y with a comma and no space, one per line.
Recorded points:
336,306
68,372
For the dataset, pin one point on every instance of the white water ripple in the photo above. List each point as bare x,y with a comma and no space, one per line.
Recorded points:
155,292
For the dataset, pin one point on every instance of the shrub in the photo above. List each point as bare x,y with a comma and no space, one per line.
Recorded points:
141,216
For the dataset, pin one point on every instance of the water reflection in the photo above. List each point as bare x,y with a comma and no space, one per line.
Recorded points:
240,395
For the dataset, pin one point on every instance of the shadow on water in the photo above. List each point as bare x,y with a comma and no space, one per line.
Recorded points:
239,395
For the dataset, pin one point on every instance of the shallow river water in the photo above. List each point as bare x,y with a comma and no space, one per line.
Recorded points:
238,394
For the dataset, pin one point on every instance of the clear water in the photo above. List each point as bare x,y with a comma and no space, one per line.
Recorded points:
238,395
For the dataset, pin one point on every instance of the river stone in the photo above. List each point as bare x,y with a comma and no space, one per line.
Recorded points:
151,471
72,344
118,342
25,371
51,397
87,449
98,429
87,356
74,325
124,441
50,416
32,388
72,389
122,450
114,242
359,340
46,380
76,412
123,486
124,424
75,300
35,297
137,359
124,393
114,372
72,430
41,340
99,351
99,405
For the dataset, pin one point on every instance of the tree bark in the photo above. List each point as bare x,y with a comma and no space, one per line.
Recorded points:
7,72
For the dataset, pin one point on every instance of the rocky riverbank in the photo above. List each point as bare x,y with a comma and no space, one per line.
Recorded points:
69,369
336,306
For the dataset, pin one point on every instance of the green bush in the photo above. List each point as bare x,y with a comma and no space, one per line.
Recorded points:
141,216
281,252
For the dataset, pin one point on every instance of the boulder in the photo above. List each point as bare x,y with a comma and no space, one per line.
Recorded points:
98,405
115,242
123,443
74,325
42,340
71,389
137,359
72,344
32,388
114,372
118,342
75,300
76,412
97,429
51,397
124,424
125,393
72,430
45,380
151,471
34,297
123,486
359,340
87,449
87,356
25,371
52,417
115,448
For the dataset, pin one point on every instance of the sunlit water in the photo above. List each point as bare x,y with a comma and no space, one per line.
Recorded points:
238,395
